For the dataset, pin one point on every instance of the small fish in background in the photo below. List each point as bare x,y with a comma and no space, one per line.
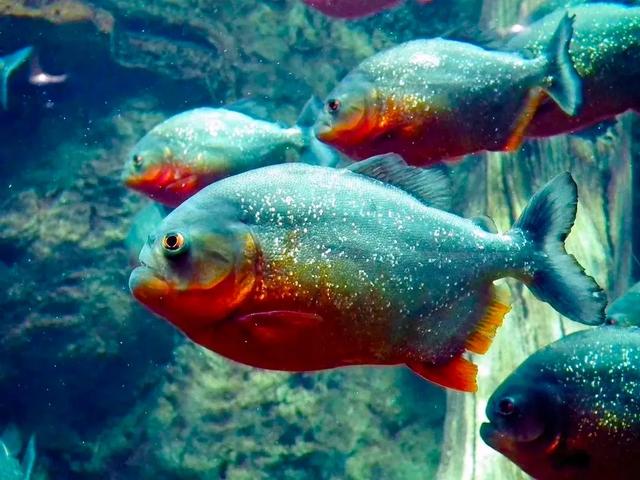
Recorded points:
353,9
11,468
432,100
40,78
625,311
571,411
299,268
8,64
190,150
605,50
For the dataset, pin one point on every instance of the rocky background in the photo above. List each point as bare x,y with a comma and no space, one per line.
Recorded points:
111,391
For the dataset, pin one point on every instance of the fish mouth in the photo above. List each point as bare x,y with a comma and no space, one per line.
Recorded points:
323,130
135,182
496,439
488,433
145,284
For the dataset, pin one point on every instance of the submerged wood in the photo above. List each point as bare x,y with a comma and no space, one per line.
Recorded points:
500,185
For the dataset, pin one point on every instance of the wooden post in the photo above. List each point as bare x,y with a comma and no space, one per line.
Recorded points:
601,240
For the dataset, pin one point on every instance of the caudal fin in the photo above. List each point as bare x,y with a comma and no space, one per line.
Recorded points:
29,458
7,65
555,276
315,152
566,86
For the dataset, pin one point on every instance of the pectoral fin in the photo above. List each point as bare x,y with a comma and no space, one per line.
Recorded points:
279,325
186,184
533,101
458,374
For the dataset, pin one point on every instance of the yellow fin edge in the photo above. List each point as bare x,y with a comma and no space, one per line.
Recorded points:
499,305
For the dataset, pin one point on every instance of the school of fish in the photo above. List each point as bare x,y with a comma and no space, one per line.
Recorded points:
328,244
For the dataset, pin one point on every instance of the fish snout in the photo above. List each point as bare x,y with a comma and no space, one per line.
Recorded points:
146,286
323,128
488,433
494,437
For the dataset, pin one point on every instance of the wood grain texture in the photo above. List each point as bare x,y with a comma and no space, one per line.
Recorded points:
500,185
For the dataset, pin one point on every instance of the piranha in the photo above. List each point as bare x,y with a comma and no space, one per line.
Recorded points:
352,9
625,311
430,100
188,151
571,410
605,50
298,267
11,468
8,64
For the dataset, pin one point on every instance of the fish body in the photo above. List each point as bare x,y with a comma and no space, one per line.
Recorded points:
142,224
625,311
300,268
8,64
605,50
571,410
429,100
351,9
188,151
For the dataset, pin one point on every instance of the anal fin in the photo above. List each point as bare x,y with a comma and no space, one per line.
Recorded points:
458,374
498,306
532,102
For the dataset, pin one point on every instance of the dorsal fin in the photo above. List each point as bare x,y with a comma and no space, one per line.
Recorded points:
431,186
485,223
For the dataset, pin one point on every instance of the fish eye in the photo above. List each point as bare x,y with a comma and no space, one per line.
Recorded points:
137,160
333,105
173,243
506,406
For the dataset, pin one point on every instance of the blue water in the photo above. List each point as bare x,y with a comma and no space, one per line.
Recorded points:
109,390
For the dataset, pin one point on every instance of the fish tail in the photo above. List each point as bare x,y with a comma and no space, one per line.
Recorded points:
553,275
565,85
315,152
7,65
29,458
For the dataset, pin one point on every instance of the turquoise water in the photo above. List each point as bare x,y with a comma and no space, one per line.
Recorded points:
111,391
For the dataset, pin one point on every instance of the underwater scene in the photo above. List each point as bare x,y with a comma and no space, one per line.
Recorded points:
319,239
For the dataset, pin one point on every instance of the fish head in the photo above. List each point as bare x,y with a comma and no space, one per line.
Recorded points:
168,163
349,114
198,266
525,422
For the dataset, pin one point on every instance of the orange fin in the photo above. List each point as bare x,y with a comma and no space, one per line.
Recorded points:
499,305
533,101
279,324
459,374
